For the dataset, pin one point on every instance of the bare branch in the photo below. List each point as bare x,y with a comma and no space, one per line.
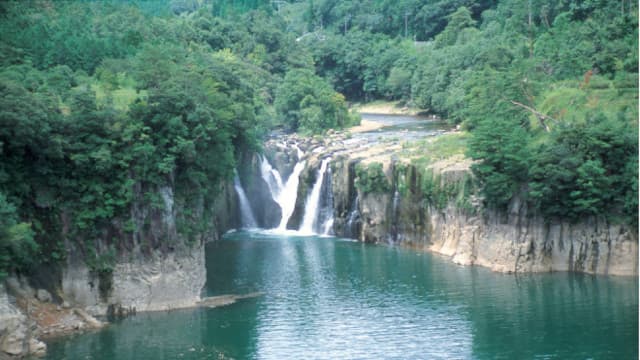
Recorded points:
541,117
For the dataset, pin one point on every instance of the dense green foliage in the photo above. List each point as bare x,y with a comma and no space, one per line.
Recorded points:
16,240
370,178
548,89
105,104
307,103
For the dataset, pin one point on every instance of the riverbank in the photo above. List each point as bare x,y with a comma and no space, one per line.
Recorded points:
365,125
29,317
383,107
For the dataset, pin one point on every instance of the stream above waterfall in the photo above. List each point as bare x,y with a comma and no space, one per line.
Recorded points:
401,127
329,298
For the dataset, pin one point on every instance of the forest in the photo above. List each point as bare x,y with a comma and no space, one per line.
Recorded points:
104,102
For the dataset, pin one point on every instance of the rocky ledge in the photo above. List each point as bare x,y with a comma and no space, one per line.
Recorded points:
28,315
433,206
160,282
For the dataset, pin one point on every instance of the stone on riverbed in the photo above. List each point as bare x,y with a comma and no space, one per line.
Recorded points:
223,300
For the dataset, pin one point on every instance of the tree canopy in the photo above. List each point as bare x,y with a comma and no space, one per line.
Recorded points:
103,104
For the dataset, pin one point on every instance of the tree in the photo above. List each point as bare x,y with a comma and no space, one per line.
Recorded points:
305,102
17,246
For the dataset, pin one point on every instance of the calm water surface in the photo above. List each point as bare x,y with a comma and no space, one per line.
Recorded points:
401,127
327,298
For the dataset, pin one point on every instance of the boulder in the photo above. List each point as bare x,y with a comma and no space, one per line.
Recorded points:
43,295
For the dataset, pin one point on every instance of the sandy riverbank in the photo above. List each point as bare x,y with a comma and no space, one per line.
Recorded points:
386,108
366,125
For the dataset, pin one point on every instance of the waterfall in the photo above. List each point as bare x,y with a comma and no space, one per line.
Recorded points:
311,205
246,215
284,194
353,220
287,197
299,152
327,228
394,215
326,205
272,177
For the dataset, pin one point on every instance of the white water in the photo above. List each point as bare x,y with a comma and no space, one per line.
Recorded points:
246,215
311,205
272,177
354,216
326,213
327,227
167,196
284,194
299,152
287,197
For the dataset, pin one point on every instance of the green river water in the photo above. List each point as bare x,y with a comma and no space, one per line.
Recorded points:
327,298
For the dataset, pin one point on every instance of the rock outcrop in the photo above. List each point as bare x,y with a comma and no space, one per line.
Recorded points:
14,328
27,315
451,219
161,282
511,241
155,267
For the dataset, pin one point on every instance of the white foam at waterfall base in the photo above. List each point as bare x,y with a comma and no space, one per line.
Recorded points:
311,205
246,215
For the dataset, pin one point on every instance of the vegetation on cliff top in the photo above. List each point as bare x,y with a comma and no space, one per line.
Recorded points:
547,89
104,103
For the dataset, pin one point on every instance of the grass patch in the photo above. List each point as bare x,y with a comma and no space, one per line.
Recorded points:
437,148
571,101
121,98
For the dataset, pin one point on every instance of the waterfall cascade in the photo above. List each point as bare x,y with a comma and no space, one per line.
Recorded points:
284,194
311,208
393,236
272,177
354,219
318,210
325,216
287,197
246,215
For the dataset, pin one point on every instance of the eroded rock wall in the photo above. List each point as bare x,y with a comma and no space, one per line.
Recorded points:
170,276
505,241
160,265
14,327
161,282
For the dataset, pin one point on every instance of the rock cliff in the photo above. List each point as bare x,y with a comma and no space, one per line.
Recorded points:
435,207
515,240
156,267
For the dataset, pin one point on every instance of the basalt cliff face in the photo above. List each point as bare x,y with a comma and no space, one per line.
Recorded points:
168,277
504,241
157,267
511,241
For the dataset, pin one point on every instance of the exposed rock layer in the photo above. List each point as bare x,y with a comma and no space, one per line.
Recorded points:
506,241
162,282
159,269
511,241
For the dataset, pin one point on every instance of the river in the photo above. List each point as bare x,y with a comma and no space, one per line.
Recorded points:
331,298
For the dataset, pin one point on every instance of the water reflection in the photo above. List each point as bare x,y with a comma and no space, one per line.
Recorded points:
327,298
